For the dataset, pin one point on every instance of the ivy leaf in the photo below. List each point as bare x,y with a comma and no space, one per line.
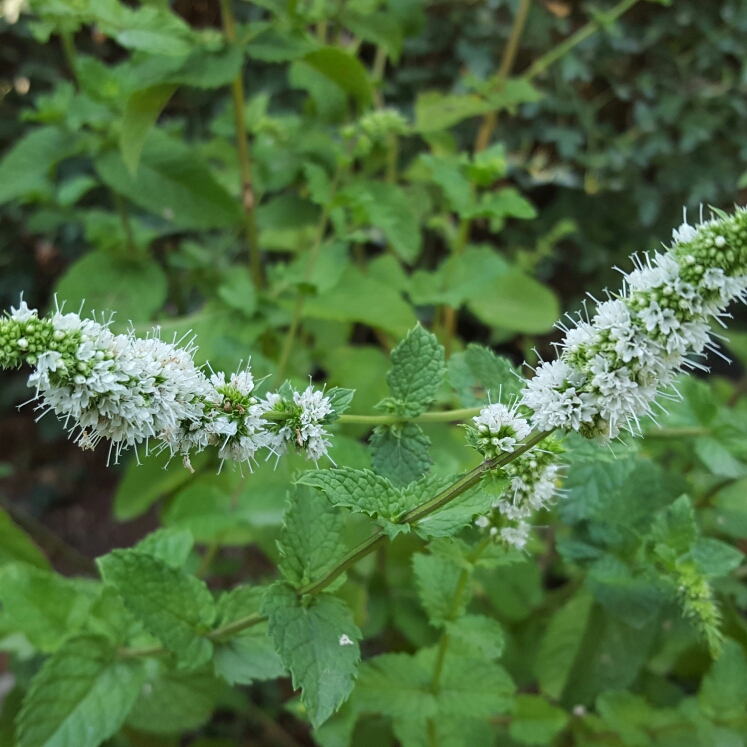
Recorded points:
480,634
312,538
174,701
81,696
418,368
400,453
318,641
437,578
361,491
16,545
170,545
534,721
479,376
140,116
395,685
174,607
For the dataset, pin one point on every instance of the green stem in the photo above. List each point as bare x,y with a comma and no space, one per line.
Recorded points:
68,48
366,547
442,416
449,313
125,220
248,199
676,432
591,28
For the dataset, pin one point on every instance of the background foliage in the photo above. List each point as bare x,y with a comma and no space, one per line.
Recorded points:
313,242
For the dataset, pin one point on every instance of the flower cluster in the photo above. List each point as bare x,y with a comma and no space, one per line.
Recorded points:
612,366
133,390
497,430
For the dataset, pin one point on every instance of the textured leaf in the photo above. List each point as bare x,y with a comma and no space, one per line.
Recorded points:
176,608
480,634
312,539
536,722
172,183
249,658
170,545
140,116
438,578
400,453
344,70
361,491
340,399
562,643
457,514
714,557
318,641
418,368
134,289
723,691
80,697
675,528
16,545
43,605
479,376
395,685
173,701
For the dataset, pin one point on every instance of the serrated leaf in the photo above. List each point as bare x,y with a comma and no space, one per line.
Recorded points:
395,685
534,721
457,514
173,701
418,368
340,399
438,578
723,691
174,607
318,641
479,377
675,529
43,605
562,643
480,634
361,491
170,545
80,697
17,546
714,557
312,538
400,453
141,113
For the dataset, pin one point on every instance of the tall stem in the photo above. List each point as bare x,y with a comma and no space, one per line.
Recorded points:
242,143
449,314
68,48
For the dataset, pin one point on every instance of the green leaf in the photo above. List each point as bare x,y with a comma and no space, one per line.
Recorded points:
418,368
718,458
135,289
207,68
312,541
438,579
714,557
457,514
238,291
479,377
140,116
81,696
448,173
479,634
536,722
26,168
340,399
379,28
498,205
562,643
518,303
143,484
250,655
172,183
174,701
16,545
675,529
361,491
385,206
360,298
395,685
344,70
723,691
170,545
43,605
400,453
176,608
318,641
9,711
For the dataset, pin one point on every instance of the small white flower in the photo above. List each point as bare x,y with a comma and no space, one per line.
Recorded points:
346,640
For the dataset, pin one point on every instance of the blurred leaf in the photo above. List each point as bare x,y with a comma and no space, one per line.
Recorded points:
16,545
479,376
344,70
141,113
535,722
238,291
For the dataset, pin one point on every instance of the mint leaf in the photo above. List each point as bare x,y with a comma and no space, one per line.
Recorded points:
457,514
479,377
340,399
361,491
176,608
418,368
173,701
534,721
318,641
395,685
723,691
81,696
438,578
170,545
312,538
714,557
140,115
478,634
400,453
16,545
